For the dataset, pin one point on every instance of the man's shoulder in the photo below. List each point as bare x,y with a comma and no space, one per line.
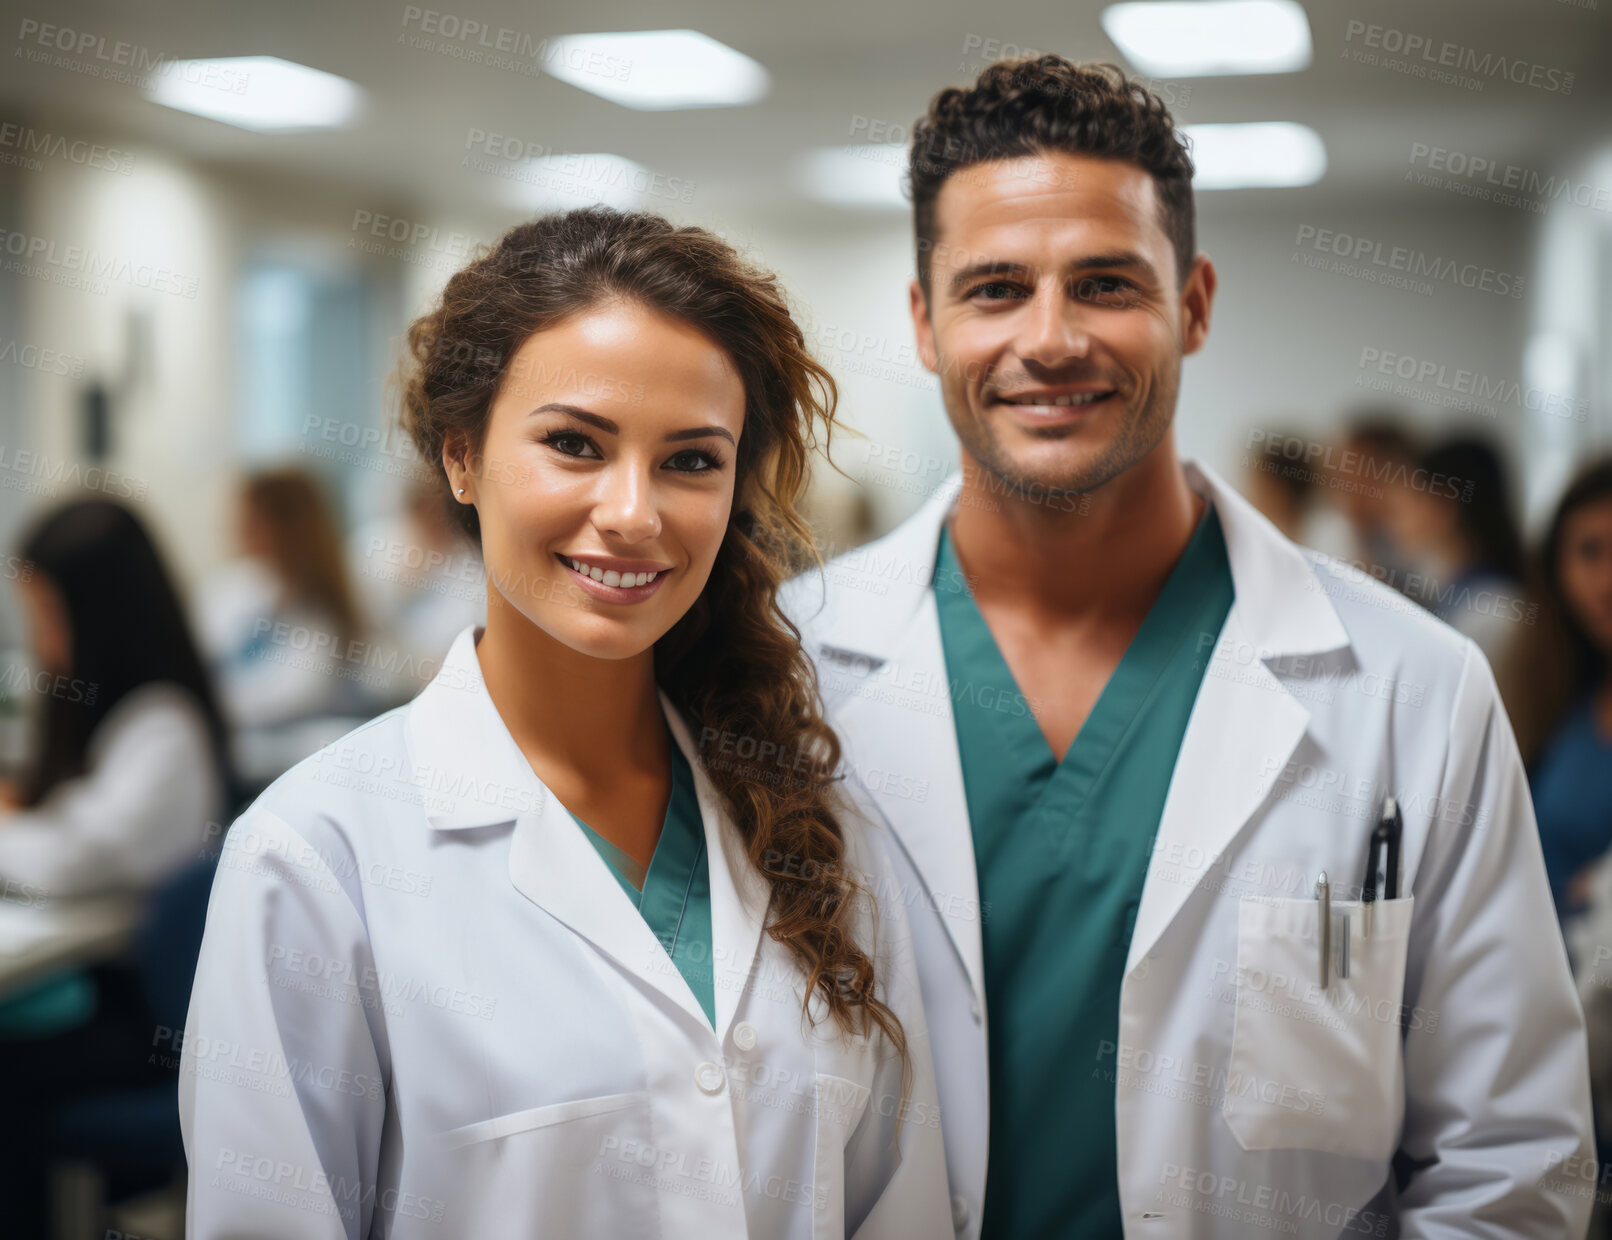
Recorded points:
818,596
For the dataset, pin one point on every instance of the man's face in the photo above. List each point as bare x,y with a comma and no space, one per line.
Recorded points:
1055,319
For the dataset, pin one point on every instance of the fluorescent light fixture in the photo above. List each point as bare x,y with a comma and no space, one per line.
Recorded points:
1263,155
657,70
262,93
1204,38
856,175
564,182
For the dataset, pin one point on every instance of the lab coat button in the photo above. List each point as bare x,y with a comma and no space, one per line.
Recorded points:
959,1213
709,1078
744,1036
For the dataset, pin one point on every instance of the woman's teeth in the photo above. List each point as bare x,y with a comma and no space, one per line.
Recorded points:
611,577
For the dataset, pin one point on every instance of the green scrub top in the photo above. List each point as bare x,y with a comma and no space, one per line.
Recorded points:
674,894
1062,851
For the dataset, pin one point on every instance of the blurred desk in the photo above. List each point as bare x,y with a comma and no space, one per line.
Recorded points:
37,940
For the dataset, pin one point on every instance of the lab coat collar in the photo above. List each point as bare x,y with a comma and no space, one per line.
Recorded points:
473,774
1284,609
1243,718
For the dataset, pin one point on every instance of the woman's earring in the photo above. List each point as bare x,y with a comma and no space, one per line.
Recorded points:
461,490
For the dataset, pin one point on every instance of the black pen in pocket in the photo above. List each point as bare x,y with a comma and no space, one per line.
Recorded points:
1383,851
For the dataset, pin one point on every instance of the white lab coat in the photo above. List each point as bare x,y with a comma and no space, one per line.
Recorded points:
273,664
1249,1101
146,803
425,1007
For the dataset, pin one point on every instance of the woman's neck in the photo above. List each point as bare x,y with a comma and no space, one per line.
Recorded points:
582,722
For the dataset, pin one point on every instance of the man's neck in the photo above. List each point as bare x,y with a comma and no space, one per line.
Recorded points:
1107,551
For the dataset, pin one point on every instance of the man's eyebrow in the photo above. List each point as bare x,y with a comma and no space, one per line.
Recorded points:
605,424
991,267
1122,259
1119,258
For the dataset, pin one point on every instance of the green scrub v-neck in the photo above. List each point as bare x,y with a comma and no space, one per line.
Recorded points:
674,894
1062,850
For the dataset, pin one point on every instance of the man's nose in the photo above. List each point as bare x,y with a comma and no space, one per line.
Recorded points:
1053,330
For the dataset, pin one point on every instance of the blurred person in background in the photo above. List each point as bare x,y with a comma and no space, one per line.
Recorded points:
1565,723
1289,489
1461,550
1281,488
1565,729
276,623
420,584
129,770
1376,454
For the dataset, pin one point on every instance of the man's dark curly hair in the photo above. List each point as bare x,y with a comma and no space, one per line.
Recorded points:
1019,108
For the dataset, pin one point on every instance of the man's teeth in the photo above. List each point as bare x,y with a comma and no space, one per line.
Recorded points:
1077,398
611,577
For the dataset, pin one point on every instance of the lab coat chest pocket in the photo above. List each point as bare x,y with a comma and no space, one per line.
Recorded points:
844,1077
1311,1068
569,1169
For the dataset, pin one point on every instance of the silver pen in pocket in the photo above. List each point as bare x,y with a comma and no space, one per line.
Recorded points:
1323,922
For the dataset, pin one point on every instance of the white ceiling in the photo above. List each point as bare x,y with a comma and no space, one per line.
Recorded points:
830,60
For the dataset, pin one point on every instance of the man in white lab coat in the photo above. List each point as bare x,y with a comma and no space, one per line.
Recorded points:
1134,748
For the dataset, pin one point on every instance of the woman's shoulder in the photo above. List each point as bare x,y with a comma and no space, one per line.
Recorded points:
350,778
327,818
157,715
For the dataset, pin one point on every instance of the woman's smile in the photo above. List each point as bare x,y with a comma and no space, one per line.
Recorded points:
615,581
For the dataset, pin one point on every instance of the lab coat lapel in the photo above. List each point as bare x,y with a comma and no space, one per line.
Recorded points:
1242,730
554,866
1245,724
893,748
896,723
739,893
472,774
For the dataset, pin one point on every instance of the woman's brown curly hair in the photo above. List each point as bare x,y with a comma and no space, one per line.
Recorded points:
733,664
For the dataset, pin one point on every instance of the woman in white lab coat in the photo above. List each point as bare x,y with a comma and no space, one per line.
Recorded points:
579,942
127,775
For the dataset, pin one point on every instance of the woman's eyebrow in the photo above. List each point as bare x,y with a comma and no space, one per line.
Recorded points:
581,414
701,432
606,425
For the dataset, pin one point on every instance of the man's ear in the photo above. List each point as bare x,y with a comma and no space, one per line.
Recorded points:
923,328
1197,300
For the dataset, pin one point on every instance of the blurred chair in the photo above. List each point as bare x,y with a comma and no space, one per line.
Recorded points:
131,1136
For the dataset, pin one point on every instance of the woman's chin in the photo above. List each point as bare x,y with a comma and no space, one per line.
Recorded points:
606,637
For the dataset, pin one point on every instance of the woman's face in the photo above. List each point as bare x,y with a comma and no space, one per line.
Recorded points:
46,615
605,481
1585,567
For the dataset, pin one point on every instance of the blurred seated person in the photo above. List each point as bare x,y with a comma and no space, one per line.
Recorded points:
279,626
127,779
421,582
1453,525
130,759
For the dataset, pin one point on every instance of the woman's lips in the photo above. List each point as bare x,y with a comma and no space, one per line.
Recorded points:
614,594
